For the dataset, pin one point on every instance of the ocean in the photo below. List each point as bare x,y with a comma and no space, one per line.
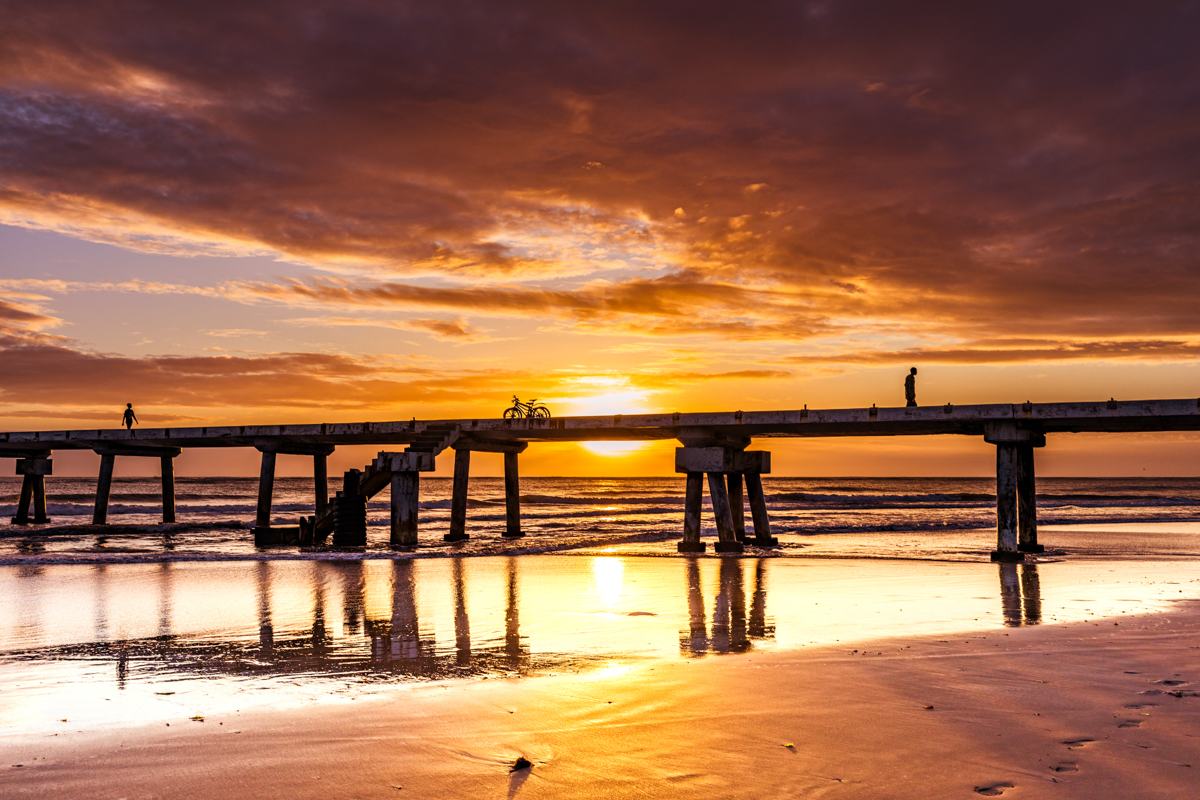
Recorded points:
141,622
215,514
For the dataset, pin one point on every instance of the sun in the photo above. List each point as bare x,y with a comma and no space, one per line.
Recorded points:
613,448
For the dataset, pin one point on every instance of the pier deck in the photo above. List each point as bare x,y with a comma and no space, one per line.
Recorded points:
967,420
714,445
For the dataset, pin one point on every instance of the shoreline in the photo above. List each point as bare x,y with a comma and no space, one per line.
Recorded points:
1077,709
1133,541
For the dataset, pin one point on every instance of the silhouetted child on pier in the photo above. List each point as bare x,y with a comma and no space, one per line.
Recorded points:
129,417
910,388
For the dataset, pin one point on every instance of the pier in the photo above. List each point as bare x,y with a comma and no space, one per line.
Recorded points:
714,451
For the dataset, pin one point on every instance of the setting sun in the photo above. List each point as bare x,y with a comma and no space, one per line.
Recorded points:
613,448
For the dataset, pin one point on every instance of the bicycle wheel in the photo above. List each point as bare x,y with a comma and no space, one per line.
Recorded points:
542,412
512,413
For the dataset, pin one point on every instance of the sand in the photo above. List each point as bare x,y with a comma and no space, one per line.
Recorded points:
1076,710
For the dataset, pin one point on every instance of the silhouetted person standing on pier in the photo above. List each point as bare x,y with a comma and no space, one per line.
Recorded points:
129,417
910,388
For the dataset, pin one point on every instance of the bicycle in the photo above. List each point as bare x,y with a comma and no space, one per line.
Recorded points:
528,410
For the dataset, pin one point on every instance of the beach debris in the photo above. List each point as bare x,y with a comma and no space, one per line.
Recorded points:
929,708
164,693
521,763
197,718
791,745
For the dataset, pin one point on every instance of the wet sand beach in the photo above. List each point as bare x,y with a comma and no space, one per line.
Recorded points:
1088,709
615,675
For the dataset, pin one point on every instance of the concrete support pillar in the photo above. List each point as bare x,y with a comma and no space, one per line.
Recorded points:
321,481
737,505
692,503
758,511
1006,504
168,488
726,537
1026,503
22,517
103,489
406,495
266,488
458,500
512,497
39,499
33,470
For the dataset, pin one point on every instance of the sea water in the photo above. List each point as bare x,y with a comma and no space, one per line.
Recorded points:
139,622
215,514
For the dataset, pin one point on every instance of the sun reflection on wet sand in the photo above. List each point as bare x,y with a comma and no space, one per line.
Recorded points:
123,644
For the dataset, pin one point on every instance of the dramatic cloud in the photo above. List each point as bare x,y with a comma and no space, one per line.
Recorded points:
861,182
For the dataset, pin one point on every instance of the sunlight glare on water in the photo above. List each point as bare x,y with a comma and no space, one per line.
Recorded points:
123,644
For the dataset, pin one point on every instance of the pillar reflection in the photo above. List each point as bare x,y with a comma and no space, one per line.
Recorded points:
100,574
266,631
761,626
694,641
515,650
1031,594
319,635
353,584
1020,594
166,574
729,609
731,630
462,625
405,635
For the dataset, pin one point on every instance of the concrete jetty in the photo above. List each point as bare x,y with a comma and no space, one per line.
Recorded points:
714,450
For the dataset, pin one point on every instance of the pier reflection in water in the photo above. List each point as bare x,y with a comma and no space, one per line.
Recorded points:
729,632
311,629
1020,594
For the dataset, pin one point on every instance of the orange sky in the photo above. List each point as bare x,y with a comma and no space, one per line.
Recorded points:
318,212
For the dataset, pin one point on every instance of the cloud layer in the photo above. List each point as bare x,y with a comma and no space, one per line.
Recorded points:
871,182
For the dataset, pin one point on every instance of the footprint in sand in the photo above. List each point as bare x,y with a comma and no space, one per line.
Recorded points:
1140,706
1130,723
1066,766
993,789
1077,743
